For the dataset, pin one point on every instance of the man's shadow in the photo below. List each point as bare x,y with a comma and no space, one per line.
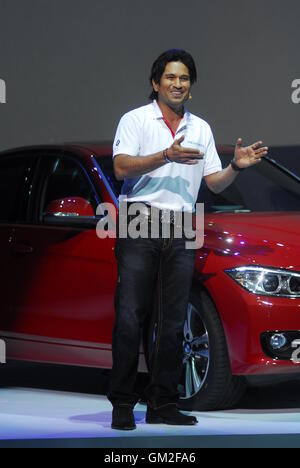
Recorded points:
103,418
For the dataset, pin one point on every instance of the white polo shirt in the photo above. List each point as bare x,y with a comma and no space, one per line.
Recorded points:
142,132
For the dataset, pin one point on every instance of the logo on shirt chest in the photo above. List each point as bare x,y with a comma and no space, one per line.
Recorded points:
194,143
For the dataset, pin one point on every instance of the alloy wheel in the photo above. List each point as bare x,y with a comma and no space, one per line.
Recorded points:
196,359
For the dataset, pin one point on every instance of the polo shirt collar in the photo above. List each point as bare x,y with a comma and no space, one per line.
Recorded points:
159,116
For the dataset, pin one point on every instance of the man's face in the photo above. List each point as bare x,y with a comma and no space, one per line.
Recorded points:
174,86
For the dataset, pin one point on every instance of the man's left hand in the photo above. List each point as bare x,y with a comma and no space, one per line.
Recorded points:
247,156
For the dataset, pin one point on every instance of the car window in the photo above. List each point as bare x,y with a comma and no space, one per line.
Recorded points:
106,165
287,156
67,190
15,187
264,187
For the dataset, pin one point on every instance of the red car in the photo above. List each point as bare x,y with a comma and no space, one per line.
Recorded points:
58,277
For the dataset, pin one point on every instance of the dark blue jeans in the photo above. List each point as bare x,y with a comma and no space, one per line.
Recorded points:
146,268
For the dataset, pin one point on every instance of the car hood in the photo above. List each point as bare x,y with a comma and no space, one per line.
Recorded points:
271,239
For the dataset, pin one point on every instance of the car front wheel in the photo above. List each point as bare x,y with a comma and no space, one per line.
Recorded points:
207,382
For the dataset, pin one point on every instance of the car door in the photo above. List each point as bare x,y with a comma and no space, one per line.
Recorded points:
16,174
64,310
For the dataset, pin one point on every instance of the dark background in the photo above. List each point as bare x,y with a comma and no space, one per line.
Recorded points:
73,67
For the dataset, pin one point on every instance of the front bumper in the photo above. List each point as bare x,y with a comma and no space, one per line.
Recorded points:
247,319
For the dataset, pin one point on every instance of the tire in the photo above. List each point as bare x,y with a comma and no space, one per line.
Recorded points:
207,383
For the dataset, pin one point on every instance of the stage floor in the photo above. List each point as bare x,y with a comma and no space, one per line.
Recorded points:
43,417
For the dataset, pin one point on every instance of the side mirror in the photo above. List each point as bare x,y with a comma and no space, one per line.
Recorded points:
70,211
70,206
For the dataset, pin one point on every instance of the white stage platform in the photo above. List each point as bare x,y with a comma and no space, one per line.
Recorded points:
32,417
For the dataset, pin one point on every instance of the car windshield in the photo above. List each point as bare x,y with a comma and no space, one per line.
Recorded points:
264,187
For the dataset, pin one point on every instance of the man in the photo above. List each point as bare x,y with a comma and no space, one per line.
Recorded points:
162,152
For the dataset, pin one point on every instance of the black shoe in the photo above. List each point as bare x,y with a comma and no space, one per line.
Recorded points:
123,418
169,415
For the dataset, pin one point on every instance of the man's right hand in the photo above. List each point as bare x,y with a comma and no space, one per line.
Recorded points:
136,166
181,155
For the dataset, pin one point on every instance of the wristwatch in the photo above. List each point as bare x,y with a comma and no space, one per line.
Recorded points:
235,167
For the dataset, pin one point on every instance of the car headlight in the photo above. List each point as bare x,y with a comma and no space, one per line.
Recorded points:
267,281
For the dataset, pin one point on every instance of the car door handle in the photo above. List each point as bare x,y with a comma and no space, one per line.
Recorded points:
23,249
